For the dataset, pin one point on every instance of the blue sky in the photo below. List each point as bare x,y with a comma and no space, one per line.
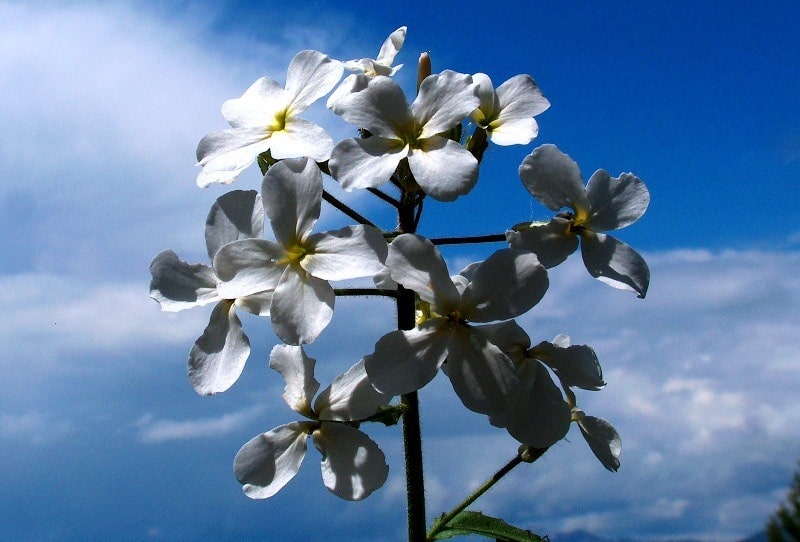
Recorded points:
103,105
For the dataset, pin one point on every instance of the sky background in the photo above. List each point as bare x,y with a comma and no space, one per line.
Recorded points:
102,106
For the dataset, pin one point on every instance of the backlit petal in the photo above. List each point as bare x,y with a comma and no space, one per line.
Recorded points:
347,253
406,360
444,100
554,179
266,463
443,168
217,358
615,263
297,370
177,285
292,192
350,397
615,202
236,215
352,464
247,267
302,306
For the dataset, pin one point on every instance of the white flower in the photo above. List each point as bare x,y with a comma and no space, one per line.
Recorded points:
383,64
265,118
217,359
507,113
537,414
352,464
299,264
504,286
605,203
443,168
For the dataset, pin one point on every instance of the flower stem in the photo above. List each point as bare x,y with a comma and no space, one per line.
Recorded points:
493,238
526,454
364,292
349,211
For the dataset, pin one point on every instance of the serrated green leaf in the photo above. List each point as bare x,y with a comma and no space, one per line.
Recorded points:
387,415
470,523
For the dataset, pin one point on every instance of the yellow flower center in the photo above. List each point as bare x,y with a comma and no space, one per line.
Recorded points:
294,254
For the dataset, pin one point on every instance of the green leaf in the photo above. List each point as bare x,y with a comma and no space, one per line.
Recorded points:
387,415
265,160
470,523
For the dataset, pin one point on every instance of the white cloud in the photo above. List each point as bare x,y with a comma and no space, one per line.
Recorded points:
33,427
157,430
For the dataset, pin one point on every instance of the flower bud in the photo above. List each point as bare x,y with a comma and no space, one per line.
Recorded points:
423,68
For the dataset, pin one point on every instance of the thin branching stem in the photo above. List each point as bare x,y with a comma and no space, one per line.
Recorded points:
384,196
493,238
526,455
346,209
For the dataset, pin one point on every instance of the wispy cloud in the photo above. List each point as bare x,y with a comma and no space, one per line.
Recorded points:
153,430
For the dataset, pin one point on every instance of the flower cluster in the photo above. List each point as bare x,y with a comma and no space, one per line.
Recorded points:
464,324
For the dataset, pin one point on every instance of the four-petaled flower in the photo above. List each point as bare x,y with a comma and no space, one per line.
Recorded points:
442,167
352,464
507,113
383,64
217,358
299,264
502,287
605,203
265,118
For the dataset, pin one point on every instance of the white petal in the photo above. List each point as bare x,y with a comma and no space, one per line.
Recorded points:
602,438
552,242
406,360
574,365
444,100
257,303
554,179
443,168
615,263
236,215
292,192
509,338
417,264
504,286
514,131
347,253
482,376
366,163
519,97
248,267
489,105
297,370
302,306
257,106
380,107
311,75
391,46
300,137
615,202
352,464
177,285
538,416
224,155
217,358
350,397
266,463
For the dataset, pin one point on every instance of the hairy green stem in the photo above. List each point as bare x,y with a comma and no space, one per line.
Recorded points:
364,292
